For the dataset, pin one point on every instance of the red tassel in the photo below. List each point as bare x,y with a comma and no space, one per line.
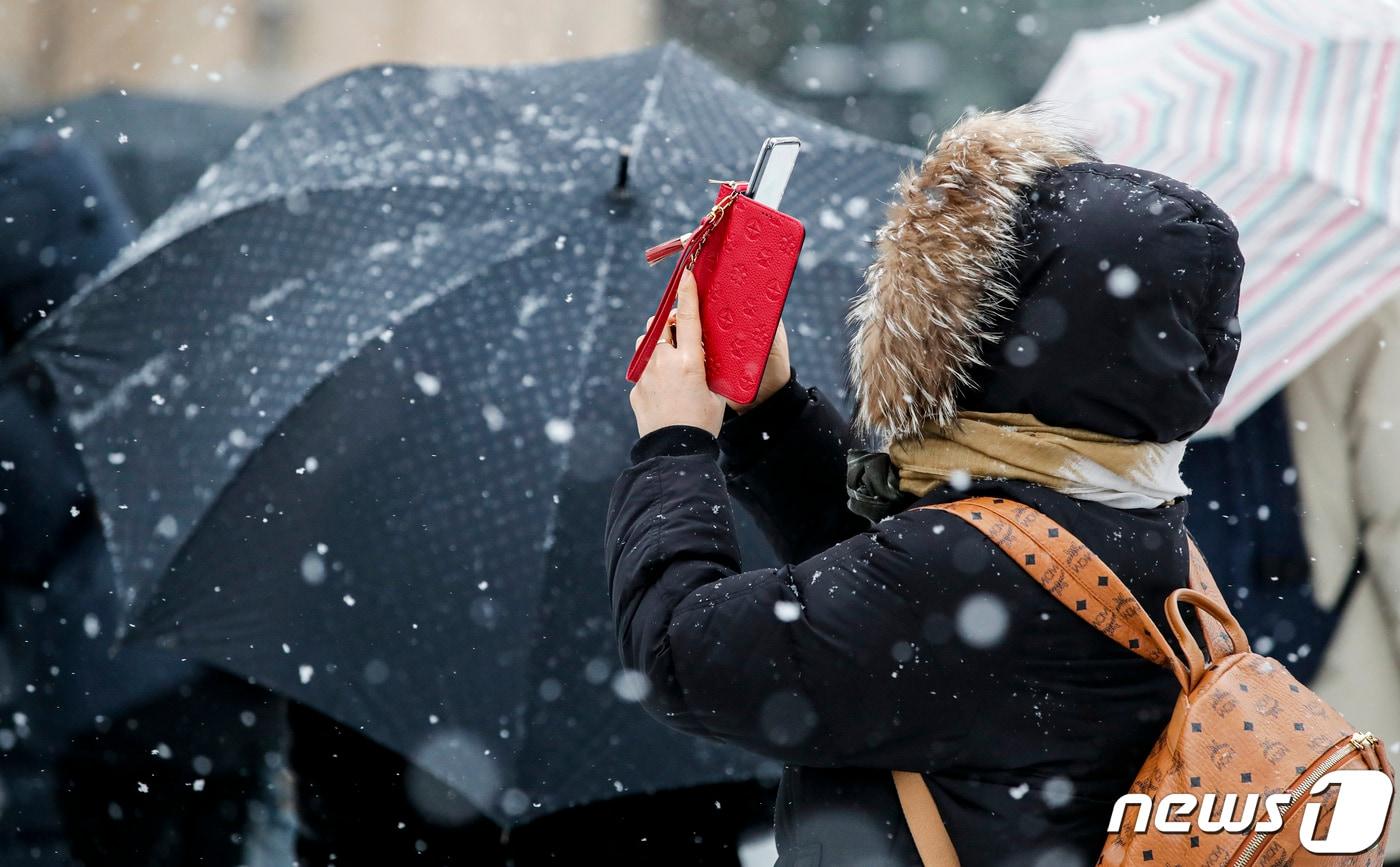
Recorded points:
676,244
666,248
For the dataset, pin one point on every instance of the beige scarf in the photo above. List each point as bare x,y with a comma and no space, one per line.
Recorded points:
1088,466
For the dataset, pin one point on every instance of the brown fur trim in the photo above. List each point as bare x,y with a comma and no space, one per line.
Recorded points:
940,279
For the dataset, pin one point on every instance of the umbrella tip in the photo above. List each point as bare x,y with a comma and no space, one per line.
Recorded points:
619,190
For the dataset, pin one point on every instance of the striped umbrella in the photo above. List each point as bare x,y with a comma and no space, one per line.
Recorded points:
1287,113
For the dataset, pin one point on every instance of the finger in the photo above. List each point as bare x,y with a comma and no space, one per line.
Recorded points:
659,364
780,341
663,337
688,315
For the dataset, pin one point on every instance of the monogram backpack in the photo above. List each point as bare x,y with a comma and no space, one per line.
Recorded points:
1233,781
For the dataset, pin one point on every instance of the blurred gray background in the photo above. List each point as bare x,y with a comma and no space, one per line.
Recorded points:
897,69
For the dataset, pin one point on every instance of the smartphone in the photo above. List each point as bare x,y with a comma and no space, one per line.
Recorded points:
770,174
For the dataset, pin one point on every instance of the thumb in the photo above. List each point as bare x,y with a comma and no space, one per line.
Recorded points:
688,338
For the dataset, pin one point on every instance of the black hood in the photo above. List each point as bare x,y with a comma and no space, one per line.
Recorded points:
1016,273
1125,323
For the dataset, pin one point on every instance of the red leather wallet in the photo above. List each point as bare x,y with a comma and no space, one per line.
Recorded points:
744,256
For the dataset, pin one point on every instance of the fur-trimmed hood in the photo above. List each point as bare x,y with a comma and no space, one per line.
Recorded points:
941,276
1011,208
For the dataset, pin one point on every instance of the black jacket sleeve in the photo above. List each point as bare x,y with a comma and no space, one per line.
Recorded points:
785,461
800,662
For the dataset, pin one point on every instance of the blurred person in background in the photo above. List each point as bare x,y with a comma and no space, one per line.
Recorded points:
49,243
108,756
1346,443
1299,512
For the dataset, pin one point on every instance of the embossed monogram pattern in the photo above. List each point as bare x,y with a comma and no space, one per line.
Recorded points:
743,255
1242,724
743,273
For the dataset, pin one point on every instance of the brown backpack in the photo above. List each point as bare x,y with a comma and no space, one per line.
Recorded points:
1242,724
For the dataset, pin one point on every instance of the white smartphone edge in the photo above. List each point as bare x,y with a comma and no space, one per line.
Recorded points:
773,169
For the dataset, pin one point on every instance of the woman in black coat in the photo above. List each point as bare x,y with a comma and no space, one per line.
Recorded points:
1036,326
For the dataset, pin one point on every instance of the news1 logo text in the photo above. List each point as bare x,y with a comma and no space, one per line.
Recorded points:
1358,819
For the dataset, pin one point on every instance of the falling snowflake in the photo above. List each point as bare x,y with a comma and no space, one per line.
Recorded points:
559,430
495,419
1058,792
427,383
313,568
1122,282
167,527
856,207
982,620
630,685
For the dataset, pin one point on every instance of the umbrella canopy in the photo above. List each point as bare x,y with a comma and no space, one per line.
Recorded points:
353,409
64,221
156,146
1288,115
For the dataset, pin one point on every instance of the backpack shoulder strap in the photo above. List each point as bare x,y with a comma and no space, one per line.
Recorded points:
1071,573
925,822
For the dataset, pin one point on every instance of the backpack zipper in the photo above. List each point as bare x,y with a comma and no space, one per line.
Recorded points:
1355,744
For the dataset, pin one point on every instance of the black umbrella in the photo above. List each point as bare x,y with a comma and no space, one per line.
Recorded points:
354,408
156,146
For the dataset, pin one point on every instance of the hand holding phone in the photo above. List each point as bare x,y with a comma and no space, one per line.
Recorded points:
744,257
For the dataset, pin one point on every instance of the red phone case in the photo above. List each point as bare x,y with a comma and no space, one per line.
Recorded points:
743,270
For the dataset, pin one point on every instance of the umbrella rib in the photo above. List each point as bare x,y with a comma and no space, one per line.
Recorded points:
585,351
644,115
600,275
589,338
599,288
